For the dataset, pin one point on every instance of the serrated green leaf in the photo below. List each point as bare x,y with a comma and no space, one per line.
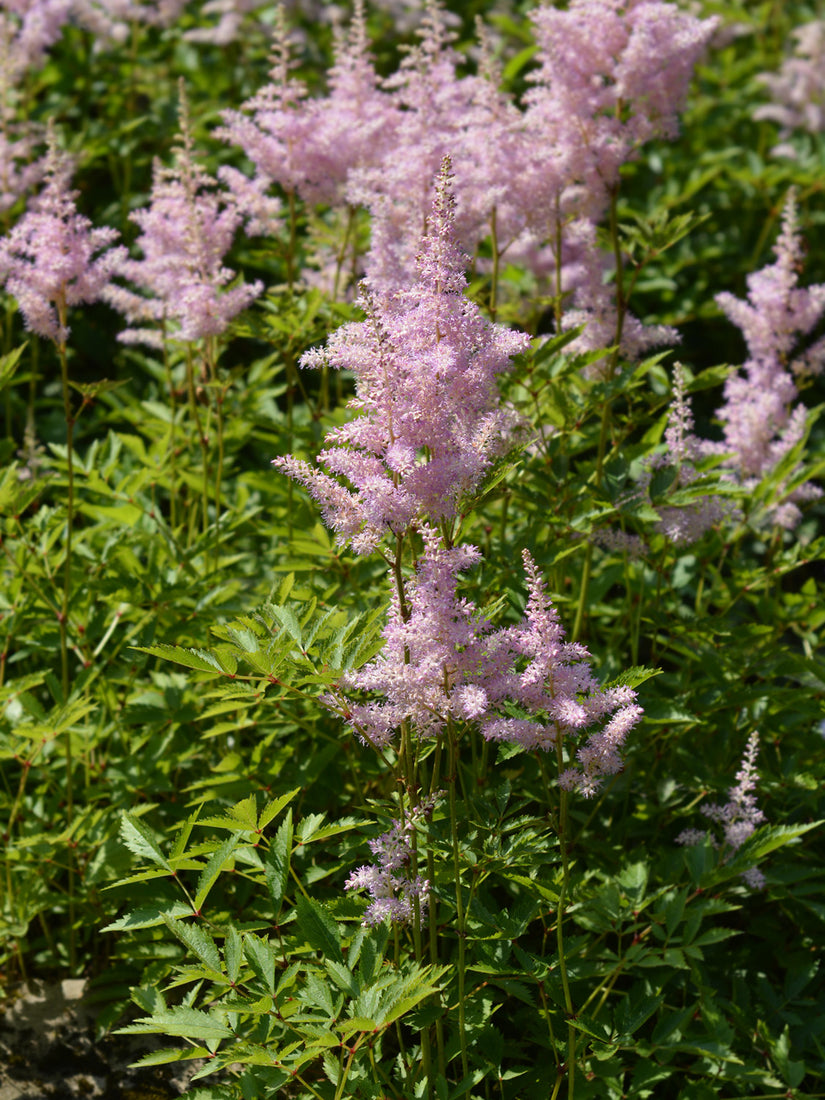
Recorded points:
272,809
343,977
198,659
173,1054
318,929
218,862
245,812
233,954
141,842
356,1023
183,1021
262,958
199,942
147,917
289,621
714,935
278,860
630,1015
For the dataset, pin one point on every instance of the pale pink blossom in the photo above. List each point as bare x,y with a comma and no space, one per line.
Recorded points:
54,259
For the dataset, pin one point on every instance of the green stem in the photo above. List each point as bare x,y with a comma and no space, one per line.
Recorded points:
568,1000
557,309
459,898
588,560
342,251
170,450
64,619
202,439
293,238
496,256
220,394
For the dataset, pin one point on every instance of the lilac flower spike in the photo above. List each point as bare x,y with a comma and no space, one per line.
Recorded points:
53,259
425,673
185,233
550,679
431,422
760,423
739,816
390,884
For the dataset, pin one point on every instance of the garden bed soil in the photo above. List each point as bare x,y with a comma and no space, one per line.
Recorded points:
49,1051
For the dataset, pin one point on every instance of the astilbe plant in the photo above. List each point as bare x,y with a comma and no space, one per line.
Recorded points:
761,423
426,364
738,817
51,261
185,233
20,168
798,88
185,292
431,423
54,259
682,453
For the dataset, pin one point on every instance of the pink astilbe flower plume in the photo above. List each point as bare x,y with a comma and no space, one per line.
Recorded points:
612,75
739,816
443,662
550,681
431,653
54,259
433,105
356,106
186,231
275,127
20,169
683,449
430,422
798,89
392,886
760,421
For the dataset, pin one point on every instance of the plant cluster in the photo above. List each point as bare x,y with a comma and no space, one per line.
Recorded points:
407,800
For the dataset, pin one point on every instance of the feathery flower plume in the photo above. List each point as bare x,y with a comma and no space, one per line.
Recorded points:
738,817
430,421
389,881
612,75
687,523
760,422
440,114
275,127
441,661
53,258
431,655
33,27
185,233
20,170
356,106
550,680
798,89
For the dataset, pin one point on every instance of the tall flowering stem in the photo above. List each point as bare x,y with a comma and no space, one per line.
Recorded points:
396,479
182,285
461,929
52,260
565,884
